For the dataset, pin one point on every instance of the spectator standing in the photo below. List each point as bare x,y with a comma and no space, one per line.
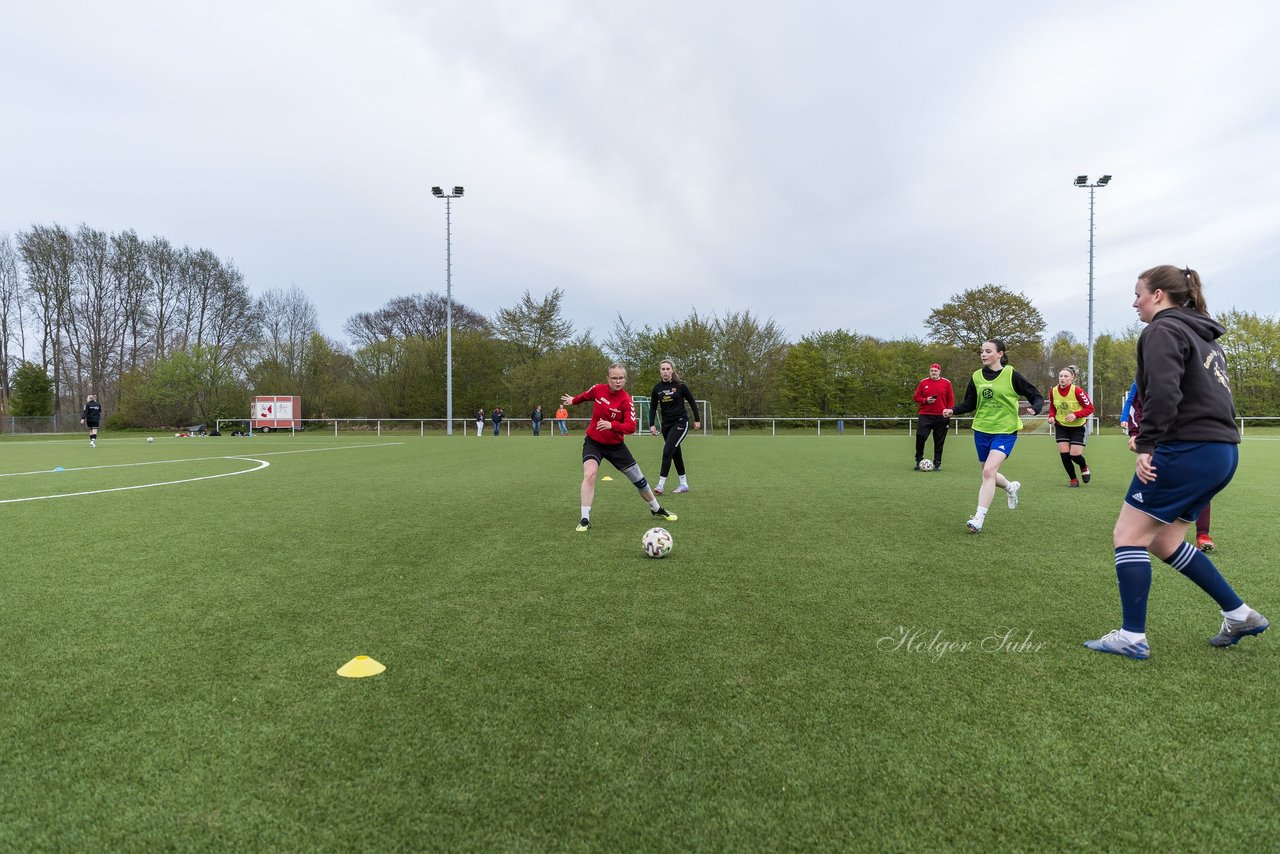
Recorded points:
535,418
562,420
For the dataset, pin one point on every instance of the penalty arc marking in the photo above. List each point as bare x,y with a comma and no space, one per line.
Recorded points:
261,464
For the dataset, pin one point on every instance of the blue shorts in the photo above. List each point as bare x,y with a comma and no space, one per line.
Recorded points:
1188,475
988,442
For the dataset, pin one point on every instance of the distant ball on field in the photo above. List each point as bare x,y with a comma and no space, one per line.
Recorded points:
657,542
926,465
150,439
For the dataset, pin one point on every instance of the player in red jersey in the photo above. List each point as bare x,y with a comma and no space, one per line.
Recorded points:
613,416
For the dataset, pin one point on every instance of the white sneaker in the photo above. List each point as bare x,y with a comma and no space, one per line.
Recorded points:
1012,490
974,526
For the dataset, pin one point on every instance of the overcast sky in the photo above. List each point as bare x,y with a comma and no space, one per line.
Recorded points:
828,165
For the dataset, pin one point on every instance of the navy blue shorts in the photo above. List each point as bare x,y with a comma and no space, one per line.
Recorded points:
988,442
1188,475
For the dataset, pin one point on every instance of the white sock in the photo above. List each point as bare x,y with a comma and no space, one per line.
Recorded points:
654,505
662,483
980,514
586,511
683,482
1132,637
1239,614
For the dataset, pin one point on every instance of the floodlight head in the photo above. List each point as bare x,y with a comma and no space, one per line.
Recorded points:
1102,182
457,191
436,191
1081,180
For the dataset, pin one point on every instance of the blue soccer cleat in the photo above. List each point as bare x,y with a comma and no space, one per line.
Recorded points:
1112,642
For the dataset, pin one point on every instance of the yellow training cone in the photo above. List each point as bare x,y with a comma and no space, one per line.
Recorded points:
360,666
606,477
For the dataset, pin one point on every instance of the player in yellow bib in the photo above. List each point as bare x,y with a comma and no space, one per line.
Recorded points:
992,396
1069,411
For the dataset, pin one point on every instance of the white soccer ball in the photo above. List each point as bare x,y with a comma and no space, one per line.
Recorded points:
926,465
150,439
657,542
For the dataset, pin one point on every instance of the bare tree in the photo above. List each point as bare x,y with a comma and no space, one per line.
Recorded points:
288,322
130,272
48,256
414,316
164,272
11,328
95,317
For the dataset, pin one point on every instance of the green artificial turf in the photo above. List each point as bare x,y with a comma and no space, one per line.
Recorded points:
828,660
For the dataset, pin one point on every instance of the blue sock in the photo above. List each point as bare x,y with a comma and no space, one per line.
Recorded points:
1195,564
1133,571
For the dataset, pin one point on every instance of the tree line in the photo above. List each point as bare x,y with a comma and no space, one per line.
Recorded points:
169,335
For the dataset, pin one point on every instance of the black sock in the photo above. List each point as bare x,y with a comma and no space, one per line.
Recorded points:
1066,464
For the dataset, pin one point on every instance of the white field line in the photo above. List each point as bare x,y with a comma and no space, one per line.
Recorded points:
197,459
262,464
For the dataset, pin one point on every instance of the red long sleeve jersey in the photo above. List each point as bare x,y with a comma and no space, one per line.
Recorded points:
614,406
1083,406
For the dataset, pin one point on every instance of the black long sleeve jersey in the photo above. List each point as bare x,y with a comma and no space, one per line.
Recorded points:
669,399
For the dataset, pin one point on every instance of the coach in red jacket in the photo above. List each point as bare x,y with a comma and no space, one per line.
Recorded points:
933,395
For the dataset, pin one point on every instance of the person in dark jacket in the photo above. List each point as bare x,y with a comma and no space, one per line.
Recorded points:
669,397
92,418
535,418
1188,449
496,415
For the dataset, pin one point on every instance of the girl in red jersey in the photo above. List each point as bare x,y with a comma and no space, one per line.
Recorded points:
1069,411
613,416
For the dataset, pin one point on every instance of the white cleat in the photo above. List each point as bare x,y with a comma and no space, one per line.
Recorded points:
1012,490
974,526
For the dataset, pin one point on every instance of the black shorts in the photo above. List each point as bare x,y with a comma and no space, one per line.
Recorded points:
1071,435
619,454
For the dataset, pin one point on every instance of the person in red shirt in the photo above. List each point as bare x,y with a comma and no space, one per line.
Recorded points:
613,416
1069,411
933,395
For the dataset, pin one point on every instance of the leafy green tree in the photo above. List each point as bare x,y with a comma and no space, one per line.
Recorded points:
1115,361
186,387
980,314
32,392
534,328
1252,347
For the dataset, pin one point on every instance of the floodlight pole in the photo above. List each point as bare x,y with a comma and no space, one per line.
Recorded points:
1083,181
448,291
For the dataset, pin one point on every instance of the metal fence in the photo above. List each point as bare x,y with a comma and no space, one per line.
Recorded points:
42,424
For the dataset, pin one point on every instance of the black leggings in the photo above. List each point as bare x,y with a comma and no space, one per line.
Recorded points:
673,434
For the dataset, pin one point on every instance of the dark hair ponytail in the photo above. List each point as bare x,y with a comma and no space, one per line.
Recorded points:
998,343
1182,284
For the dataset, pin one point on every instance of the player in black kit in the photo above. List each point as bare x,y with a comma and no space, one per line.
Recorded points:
92,418
669,397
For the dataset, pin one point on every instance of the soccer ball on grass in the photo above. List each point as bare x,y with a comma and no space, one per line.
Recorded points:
926,465
656,542
150,439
